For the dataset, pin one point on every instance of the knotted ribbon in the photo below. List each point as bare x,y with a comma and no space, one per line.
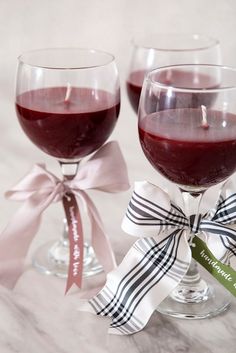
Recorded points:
157,262
105,171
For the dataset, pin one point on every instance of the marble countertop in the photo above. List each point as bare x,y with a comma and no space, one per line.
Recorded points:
37,317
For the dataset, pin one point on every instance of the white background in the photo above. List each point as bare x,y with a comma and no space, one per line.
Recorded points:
106,24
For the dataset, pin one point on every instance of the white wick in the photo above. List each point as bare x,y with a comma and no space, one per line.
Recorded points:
204,117
68,92
169,75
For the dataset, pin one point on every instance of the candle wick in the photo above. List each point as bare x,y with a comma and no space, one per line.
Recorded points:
168,76
204,124
68,93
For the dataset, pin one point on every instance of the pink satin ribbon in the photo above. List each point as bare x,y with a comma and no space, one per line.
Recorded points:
105,171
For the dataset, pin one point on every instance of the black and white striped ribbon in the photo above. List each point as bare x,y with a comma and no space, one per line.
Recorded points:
156,263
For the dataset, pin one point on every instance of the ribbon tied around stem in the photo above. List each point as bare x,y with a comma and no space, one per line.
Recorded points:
159,260
105,171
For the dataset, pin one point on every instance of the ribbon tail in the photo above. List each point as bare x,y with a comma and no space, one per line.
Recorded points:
100,241
16,238
75,233
218,268
146,276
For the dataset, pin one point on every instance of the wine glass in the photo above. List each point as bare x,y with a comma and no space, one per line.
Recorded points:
187,131
156,50
67,103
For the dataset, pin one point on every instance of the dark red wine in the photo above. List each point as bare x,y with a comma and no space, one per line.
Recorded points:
177,99
134,87
185,152
67,126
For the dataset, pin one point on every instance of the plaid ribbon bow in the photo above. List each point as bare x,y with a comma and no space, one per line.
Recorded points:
156,263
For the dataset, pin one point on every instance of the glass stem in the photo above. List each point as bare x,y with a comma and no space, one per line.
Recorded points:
191,206
192,289
90,263
59,254
69,170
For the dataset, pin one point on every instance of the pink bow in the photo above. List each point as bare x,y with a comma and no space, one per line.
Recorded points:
105,171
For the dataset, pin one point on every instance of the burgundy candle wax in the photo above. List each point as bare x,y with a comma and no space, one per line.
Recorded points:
184,151
180,79
67,123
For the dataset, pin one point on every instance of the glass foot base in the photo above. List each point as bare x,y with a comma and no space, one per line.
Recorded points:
215,301
53,259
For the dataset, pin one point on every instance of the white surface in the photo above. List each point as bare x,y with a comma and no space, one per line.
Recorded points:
36,317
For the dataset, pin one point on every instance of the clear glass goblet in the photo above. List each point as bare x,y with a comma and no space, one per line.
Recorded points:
157,50
67,103
187,130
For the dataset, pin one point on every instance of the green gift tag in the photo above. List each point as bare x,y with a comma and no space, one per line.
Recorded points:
223,273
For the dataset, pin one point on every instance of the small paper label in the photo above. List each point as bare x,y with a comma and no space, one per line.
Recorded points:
75,233
223,273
